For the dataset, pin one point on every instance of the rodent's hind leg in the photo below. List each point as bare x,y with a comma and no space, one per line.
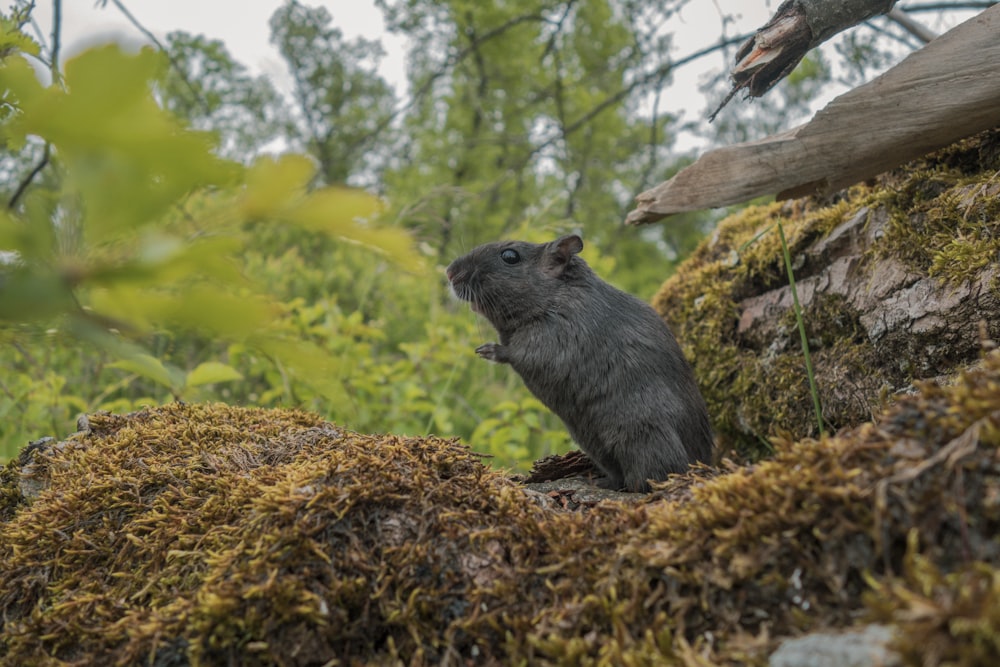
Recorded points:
608,476
653,458
637,484
607,482
608,470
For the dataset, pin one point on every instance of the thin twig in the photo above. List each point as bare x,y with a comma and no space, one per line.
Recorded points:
56,80
449,63
946,6
56,32
26,181
657,75
173,61
904,21
899,37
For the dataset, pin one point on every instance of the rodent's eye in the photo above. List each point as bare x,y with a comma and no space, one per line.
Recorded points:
510,256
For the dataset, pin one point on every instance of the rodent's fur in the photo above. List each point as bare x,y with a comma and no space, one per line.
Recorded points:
601,359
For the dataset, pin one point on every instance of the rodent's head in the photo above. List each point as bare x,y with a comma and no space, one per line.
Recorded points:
514,281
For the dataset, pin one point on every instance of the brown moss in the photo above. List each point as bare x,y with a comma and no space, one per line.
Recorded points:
245,534
207,534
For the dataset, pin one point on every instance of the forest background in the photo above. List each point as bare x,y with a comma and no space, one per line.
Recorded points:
177,228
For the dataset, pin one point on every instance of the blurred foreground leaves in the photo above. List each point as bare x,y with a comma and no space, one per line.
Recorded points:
138,266
140,228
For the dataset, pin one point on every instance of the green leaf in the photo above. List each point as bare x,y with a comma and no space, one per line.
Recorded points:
334,210
211,372
13,39
272,184
22,87
163,260
29,240
27,294
128,159
146,366
309,362
198,308
484,429
276,189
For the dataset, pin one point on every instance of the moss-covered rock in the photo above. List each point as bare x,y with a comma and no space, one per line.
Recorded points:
206,534
897,278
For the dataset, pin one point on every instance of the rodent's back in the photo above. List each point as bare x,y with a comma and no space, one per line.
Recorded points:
632,382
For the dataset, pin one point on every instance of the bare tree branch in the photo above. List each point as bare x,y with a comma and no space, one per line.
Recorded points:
22,187
56,41
656,75
903,20
173,61
453,60
659,74
902,37
946,6
27,180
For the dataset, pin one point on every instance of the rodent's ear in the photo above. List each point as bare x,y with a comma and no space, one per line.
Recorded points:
559,252
570,245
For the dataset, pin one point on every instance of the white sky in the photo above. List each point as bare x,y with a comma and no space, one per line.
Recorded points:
243,26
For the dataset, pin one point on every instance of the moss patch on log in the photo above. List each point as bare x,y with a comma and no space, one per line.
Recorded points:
207,534
895,277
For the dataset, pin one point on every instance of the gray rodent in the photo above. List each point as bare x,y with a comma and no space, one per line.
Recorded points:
599,358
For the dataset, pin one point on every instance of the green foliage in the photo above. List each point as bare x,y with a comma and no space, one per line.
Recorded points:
143,231
206,87
344,106
512,424
526,120
12,38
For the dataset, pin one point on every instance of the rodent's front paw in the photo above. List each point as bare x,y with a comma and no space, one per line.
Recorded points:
491,352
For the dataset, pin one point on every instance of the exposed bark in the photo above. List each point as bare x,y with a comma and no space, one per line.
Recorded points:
944,92
897,308
560,466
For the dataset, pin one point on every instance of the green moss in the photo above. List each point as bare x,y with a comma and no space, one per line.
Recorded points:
751,397
945,219
10,495
941,617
